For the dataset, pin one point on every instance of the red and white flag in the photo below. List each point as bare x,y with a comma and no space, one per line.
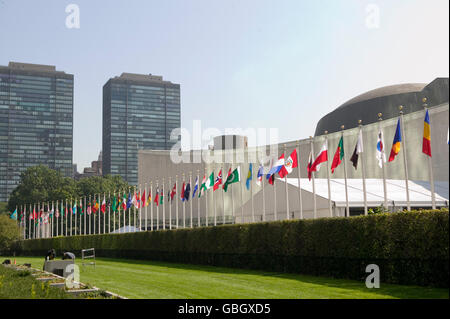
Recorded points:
103,207
321,158
290,164
218,181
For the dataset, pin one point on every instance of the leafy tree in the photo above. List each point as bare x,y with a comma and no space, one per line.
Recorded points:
100,185
3,208
41,184
9,232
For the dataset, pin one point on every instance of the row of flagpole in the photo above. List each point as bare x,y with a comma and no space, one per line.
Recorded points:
282,167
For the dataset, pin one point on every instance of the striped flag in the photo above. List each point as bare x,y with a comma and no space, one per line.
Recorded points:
426,143
396,144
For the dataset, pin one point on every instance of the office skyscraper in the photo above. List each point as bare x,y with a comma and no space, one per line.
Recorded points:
36,121
139,112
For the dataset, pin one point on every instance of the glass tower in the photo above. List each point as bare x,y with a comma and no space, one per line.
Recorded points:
139,112
36,121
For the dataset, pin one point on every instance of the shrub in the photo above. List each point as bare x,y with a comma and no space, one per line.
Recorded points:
9,233
409,247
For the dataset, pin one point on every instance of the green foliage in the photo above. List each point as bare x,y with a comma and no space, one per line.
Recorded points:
3,208
41,184
377,210
9,232
100,185
20,285
409,247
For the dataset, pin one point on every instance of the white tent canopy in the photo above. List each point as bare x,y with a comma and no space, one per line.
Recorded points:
420,194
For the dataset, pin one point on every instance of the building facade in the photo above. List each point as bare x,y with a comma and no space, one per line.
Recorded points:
139,112
36,121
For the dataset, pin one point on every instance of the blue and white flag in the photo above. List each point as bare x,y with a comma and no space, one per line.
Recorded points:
260,175
14,215
195,187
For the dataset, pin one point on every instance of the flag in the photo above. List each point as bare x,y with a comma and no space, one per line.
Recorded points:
218,181
96,206
309,167
271,179
234,177
124,201
358,150
229,173
114,204
338,156
74,209
103,207
290,164
381,156
157,197
80,208
195,187
129,200
168,196
260,175
275,167
57,212
202,186
426,143
143,200
249,176
134,201
321,158
174,191
161,201
210,181
138,200
396,144
14,215
183,188
187,191
66,211
149,199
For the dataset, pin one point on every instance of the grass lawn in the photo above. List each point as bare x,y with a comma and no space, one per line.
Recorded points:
160,280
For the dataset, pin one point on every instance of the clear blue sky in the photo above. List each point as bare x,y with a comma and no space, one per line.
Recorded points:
246,63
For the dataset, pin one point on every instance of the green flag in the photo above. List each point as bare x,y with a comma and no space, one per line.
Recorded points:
114,204
234,177
210,181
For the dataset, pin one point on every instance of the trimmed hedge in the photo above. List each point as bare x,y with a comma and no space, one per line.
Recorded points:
409,247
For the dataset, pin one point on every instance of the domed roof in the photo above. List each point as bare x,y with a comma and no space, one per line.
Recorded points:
386,100
385,91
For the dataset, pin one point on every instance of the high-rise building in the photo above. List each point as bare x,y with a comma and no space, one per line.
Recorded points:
139,112
36,121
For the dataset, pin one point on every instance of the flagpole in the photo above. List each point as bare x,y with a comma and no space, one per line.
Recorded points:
184,205
163,206
328,178
134,208
29,226
286,185
383,166
81,211
52,233
190,203
84,217
345,174
405,163
232,204
299,177
157,207
363,167
206,203
109,212
176,202
198,199
140,207
429,160
251,196
313,180
170,206
264,197
213,201
151,206
146,204
223,196
242,195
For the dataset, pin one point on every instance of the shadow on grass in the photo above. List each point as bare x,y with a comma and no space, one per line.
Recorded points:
395,291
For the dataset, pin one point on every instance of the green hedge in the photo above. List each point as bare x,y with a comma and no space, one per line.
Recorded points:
409,247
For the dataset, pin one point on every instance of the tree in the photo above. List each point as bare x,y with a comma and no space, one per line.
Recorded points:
9,232
101,185
41,184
